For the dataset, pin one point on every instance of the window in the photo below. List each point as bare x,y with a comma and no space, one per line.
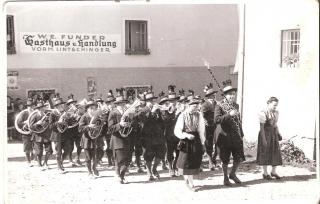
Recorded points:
136,38
11,47
290,48
132,91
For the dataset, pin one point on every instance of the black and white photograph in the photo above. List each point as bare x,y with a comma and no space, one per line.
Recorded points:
149,101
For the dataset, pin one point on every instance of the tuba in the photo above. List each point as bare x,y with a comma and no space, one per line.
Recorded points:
21,122
42,124
125,132
72,116
62,126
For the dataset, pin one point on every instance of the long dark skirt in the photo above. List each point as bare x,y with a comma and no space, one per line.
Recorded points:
271,154
190,156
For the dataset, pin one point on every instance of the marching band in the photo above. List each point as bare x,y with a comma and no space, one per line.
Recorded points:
178,130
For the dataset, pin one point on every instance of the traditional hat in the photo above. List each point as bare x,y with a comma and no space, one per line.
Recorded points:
29,102
227,86
40,104
163,98
57,100
182,97
120,97
190,96
99,99
110,97
193,101
208,89
149,96
172,95
71,99
90,103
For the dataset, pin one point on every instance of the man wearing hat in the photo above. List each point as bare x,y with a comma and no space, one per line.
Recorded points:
26,138
229,131
181,103
87,143
153,140
41,139
109,104
120,145
73,134
170,119
60,141
100,142
207,109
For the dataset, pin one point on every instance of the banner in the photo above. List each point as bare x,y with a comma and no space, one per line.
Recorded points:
91,86
12,80
38,42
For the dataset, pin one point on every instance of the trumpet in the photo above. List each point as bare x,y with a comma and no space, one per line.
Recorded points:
169,108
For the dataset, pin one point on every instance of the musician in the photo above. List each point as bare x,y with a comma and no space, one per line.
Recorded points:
87,143
73,134
60,141
207,109
110,106
229,131
190,129
41,140
170,119
26,138
181,103
120,145
153,140
135,135
100,142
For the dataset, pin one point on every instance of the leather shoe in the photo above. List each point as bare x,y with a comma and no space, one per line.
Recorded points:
276,176
266,177
234,178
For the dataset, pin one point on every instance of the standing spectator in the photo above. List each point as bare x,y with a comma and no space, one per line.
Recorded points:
268,152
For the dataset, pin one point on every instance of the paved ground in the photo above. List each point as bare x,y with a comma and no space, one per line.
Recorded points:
30,185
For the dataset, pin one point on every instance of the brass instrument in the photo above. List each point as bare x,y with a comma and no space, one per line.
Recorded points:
41,125
22,127
125,132
98,122
73,115
62,126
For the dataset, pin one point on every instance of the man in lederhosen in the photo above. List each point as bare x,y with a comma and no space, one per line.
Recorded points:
170,122
57,124
88,143
153,140
41,139
100,142
207,109
120,145
109,103
135,136
230,133
73,133
26,138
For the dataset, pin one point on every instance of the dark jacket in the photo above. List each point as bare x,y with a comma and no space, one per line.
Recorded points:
226,125
208,110
53,120
170,121
42,137
152,132
86,142
114,128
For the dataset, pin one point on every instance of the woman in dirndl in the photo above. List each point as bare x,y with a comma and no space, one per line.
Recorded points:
268,152
190,129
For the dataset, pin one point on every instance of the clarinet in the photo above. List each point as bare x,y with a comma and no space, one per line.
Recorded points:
227,107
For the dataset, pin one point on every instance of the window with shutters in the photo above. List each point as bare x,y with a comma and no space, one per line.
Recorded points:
11,47
136,34
290,48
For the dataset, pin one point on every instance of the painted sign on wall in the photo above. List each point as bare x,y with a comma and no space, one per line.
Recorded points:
92,86
38,42
12,80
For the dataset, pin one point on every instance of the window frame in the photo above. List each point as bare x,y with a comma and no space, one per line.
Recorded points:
11,49
129,51
283,63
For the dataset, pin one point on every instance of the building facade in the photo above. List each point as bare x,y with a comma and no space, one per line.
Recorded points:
91,47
